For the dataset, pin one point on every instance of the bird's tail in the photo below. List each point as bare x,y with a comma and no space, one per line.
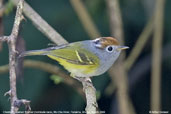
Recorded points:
33,52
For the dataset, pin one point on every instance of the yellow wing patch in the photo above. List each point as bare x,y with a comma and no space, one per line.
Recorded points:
76,61
79,58
84,59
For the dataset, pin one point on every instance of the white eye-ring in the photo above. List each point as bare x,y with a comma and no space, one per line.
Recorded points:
96,41
109,49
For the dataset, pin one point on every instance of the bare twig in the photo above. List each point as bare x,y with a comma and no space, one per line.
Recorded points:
117,72
85,18
139,45
90,93
42,25
3,38
11,40
156,56
12,57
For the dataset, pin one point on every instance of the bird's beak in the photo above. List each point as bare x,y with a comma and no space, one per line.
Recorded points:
122,48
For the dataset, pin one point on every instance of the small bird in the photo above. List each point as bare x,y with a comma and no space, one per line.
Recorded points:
84,58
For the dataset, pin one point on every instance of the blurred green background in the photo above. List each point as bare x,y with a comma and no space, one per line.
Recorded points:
46,95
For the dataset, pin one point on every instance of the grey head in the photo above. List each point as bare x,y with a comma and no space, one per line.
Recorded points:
107,49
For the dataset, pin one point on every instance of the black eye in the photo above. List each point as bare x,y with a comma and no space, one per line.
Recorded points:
109,48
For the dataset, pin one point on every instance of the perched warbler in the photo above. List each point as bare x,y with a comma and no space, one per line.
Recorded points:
84,58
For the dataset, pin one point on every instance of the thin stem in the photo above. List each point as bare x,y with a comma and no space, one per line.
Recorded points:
117,72
85,18
156,57
12,55
90,93
4,38
11,40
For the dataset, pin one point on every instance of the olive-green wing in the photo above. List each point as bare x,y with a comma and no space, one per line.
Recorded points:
75,56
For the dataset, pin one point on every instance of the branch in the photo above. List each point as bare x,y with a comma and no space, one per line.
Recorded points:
85,18
12,56
90,93
11,40
41,24
4,38
156,56
117,72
